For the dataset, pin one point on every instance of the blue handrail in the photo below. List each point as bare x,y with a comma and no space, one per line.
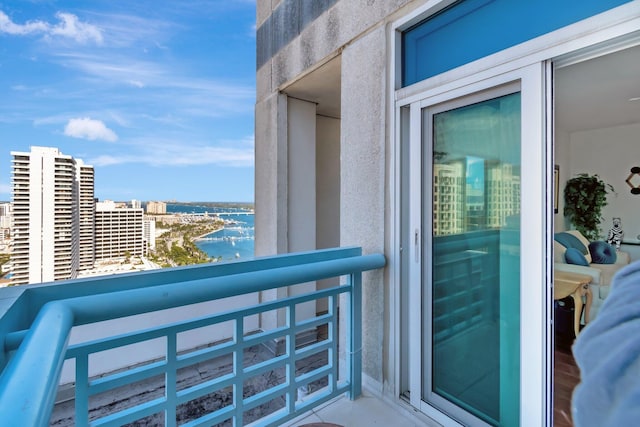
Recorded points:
28,384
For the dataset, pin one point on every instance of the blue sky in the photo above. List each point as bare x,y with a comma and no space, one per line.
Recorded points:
157,95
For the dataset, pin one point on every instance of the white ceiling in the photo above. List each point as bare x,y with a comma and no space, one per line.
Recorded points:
595,93
321,86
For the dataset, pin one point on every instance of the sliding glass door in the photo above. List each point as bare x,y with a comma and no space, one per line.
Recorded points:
469,163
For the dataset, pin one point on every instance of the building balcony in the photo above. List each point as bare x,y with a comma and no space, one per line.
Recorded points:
240,343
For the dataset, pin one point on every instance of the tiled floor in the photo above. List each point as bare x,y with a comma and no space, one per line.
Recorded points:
368,410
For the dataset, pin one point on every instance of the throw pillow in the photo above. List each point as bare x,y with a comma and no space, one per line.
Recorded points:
574,256
568,240
602,252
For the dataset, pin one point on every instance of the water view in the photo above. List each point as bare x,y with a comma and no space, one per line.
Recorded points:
234,241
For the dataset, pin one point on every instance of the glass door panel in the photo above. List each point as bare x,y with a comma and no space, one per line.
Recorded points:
471,329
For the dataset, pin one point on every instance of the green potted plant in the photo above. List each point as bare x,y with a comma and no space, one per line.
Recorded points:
584,197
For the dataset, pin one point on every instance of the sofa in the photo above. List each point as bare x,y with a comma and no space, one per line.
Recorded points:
601,261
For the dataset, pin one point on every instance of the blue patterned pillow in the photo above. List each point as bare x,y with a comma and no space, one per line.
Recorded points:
574,256
602,252
568,240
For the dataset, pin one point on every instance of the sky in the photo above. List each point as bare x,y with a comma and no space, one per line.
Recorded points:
157,95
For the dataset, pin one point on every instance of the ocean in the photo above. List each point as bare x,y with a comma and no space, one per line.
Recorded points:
234,241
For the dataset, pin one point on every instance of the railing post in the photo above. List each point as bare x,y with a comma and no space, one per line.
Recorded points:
355,350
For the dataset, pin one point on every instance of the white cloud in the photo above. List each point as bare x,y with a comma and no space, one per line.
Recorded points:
9,27
155,152
91,129
69,26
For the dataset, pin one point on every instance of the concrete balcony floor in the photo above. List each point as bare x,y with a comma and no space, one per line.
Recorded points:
368,410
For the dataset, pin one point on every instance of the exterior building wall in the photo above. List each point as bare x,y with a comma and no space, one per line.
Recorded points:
86,202
299,43
118,231
149,226
46,230
158,208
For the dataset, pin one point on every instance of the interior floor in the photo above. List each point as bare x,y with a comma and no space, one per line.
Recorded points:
566,377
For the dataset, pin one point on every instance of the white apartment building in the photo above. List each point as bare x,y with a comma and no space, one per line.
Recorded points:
47,189
86,206
149,226
5,226
118,231
5,215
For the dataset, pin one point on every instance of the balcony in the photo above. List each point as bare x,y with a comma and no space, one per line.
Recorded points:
146,338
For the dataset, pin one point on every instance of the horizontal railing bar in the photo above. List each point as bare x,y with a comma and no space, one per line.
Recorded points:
197,356
314,348
89,309
205,387
212,418
132,414
315,321
106,383
259,368
115,283
14,339
310,376
264,396
110,343
298,299
84,316
260,337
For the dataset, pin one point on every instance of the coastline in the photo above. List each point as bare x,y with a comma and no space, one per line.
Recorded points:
195,239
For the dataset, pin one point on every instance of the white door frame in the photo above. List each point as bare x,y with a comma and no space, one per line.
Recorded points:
613,30
532,332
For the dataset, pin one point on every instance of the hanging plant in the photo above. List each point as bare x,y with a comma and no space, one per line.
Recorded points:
584,197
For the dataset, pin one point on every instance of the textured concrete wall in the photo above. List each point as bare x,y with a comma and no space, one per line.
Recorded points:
355,29
363,177
271,175
324,37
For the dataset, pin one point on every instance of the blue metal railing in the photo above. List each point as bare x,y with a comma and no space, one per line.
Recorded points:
29,381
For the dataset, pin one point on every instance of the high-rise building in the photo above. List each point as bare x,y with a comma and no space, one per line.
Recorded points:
49,192
136,204
5,215
149,225
118,231
86,202
156,208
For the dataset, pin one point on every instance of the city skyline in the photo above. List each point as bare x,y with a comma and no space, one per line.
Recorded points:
158,97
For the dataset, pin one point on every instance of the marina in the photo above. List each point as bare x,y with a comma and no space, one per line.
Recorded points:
234,241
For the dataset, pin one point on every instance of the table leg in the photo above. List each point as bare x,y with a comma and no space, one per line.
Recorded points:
586,290
577,300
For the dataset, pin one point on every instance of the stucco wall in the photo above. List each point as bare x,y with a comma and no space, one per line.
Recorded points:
363,177
338,26
356,30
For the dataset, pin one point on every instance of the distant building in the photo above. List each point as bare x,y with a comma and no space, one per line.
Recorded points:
5,227
156,208
149,226
87,207
118,231
51,219
136,204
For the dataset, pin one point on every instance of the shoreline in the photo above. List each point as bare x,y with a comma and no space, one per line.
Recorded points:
195,239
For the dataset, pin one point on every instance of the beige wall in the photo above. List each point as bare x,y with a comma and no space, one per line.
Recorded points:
610,153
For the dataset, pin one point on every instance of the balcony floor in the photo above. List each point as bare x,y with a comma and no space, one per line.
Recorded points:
368,410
